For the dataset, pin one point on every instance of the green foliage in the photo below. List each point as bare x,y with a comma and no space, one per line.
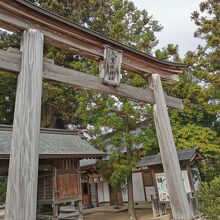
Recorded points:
115,169
208,143
7,97
170,52
195,125
205,61
117,19
209,199
120,20
9,40
198,124
196,136
7,80
117,125
210,169
199,86
3,187
120,129
58,106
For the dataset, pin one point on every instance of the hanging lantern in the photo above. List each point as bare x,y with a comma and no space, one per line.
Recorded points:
102,179
91,179
96,179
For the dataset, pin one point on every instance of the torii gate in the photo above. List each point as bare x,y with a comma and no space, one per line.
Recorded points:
37,25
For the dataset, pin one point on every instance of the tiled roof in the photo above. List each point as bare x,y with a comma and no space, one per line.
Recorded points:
87,162
183,155
54,143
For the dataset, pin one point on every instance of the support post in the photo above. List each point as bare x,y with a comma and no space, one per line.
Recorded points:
21,197
178,197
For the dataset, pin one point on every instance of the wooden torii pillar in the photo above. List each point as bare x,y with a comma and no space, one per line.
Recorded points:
23,167
177,193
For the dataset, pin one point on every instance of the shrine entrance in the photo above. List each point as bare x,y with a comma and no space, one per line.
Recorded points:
39,27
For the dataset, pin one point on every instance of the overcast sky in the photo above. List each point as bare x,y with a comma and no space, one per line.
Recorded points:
174,16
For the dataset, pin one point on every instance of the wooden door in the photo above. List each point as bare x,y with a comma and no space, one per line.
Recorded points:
67,185
85,195
115,196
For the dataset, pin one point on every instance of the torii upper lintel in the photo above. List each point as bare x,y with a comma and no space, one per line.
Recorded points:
58,31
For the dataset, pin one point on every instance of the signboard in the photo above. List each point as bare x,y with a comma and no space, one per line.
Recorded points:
162,185
110,69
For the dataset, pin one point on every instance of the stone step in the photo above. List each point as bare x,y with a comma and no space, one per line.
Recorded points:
68,216
68,209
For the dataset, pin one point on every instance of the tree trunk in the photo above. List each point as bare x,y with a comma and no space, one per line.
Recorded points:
131,211
116,198
48,116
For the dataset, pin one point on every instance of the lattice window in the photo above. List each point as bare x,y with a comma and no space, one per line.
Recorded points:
45,187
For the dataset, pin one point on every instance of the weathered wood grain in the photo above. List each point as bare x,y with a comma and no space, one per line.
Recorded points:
10,61
173,101
111,67
23,168
178,198
85,81
20,15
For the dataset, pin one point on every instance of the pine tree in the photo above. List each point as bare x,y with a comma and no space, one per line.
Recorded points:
198,124
123,129
117,19
205,62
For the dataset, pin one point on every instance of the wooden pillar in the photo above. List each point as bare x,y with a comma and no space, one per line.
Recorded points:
189,173
155,201
142,175
23,168
178,197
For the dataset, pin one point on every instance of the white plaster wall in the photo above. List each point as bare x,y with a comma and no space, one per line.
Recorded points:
125,194
103,192
150,190
100,193
138,187
138,190
106,192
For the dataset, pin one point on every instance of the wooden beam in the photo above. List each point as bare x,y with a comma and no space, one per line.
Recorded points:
23,167
20,15
178,197
11,61
85,81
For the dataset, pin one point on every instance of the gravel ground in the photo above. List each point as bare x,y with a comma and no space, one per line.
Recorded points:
141,215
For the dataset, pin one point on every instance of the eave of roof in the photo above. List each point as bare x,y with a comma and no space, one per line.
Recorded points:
183,155
54,143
